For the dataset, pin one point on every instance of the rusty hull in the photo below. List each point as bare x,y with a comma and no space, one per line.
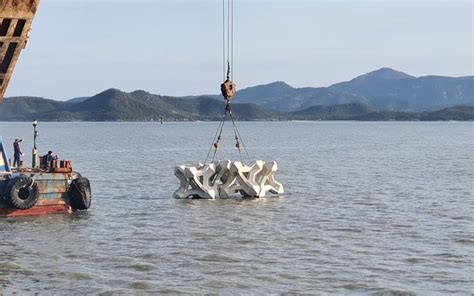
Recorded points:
37,211
16,17
53,196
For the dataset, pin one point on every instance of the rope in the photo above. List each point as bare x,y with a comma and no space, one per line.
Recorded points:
218,136
239,137
236,136
220,127
216,144
32,183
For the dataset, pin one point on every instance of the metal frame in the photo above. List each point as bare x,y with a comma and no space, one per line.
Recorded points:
4,167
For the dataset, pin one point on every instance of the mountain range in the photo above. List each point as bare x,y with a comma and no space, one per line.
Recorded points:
384,94
383,89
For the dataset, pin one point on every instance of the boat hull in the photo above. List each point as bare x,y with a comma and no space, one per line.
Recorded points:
37,211
53,195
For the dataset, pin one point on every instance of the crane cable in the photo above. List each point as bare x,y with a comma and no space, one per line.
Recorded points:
228,75
228,39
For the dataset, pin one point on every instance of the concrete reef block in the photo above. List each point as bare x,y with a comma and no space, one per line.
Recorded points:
226,179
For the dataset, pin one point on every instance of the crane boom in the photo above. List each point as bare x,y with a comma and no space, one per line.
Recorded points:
16,17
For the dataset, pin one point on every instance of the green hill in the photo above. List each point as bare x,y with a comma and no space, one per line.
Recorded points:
459,113
115,105
338,112
20,108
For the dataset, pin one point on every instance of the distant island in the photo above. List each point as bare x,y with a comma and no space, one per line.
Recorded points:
381,95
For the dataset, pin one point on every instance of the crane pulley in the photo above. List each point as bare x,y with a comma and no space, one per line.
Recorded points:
228,88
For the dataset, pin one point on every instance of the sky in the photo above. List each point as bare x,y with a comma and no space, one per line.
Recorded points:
172,47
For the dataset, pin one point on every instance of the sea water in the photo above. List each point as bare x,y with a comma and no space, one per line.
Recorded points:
370,208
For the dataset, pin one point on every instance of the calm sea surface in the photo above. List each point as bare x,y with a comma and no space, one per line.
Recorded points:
369,208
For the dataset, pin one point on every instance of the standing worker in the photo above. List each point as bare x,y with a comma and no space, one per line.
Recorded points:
48,159
17,152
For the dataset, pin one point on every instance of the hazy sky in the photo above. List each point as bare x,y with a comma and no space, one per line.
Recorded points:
79,48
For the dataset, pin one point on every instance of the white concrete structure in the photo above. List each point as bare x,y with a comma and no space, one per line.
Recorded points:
225,179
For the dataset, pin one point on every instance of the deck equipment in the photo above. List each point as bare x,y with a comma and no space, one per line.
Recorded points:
226,178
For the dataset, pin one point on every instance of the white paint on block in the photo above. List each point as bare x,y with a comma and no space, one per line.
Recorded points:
225,179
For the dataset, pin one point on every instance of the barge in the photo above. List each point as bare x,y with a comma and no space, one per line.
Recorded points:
28,191
39,189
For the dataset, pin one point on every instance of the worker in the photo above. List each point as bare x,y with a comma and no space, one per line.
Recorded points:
48,158
17,152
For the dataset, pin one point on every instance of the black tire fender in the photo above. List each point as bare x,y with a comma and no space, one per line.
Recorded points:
22,192
80,194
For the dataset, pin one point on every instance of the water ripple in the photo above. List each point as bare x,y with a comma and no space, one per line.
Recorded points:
369,209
